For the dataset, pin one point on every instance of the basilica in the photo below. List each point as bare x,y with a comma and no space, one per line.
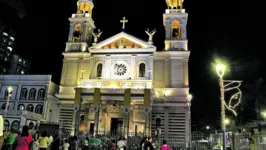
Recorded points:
123,84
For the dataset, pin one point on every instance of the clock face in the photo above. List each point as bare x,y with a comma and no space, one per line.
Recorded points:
75,47
176,45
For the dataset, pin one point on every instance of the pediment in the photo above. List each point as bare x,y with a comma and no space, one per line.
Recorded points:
122,40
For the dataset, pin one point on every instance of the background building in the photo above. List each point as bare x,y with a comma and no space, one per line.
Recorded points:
32,100
7,39
18,65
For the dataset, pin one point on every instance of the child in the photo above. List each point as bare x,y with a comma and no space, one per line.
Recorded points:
66,145
113,146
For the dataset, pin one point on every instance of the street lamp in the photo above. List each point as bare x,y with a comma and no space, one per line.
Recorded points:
207,127
220,70
9,90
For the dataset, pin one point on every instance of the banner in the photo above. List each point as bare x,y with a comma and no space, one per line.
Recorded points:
96,97
77,96
147,98
127,97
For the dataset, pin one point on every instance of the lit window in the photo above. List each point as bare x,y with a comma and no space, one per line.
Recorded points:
41,94
4,40
5,34
11,38
4,70
19,60
9,43
32,94
9,48
23,94
24,62
22,72
39,109
5,59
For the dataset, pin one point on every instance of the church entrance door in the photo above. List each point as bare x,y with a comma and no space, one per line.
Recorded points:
116,125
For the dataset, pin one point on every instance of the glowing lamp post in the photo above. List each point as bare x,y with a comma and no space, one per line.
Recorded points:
263,115
220,69
9,90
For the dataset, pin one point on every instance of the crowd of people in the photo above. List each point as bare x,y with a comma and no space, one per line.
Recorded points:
27,140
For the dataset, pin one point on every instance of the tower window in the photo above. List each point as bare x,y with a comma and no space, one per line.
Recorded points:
142,70
77,33
176,30
32,94
99,70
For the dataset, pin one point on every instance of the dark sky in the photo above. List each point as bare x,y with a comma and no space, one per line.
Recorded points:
234,30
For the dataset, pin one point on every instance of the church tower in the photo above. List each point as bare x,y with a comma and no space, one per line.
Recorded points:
175,21
81,27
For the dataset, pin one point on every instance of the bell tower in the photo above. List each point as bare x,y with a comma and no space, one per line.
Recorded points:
175,23
81,27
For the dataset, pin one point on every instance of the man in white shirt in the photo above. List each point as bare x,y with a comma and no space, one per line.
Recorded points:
1,131
121,144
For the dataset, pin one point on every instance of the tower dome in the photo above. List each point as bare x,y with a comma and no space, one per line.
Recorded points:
175,4
84,6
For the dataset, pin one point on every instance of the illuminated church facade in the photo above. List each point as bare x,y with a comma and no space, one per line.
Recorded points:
123,84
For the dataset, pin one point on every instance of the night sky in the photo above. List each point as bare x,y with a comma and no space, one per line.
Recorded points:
232,30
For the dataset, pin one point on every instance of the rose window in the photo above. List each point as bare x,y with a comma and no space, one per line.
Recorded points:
120,69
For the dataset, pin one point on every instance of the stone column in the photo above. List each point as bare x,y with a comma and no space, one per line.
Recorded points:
77,119
96,120
86,116
71,30
126,124
133,68
147,123
185,65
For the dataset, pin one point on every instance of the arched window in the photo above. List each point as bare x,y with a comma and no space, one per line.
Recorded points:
41,94
176,30
21,107
31,125
23,94
99,70
142,70
30,108
32,94
77,33
6,125
15,125
4,106
82,118
39,109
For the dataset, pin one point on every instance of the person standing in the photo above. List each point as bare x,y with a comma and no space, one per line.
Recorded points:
43,141
1,131
121,144
10,140
165,146
148,145
35,144
23,140
66,145
86,144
